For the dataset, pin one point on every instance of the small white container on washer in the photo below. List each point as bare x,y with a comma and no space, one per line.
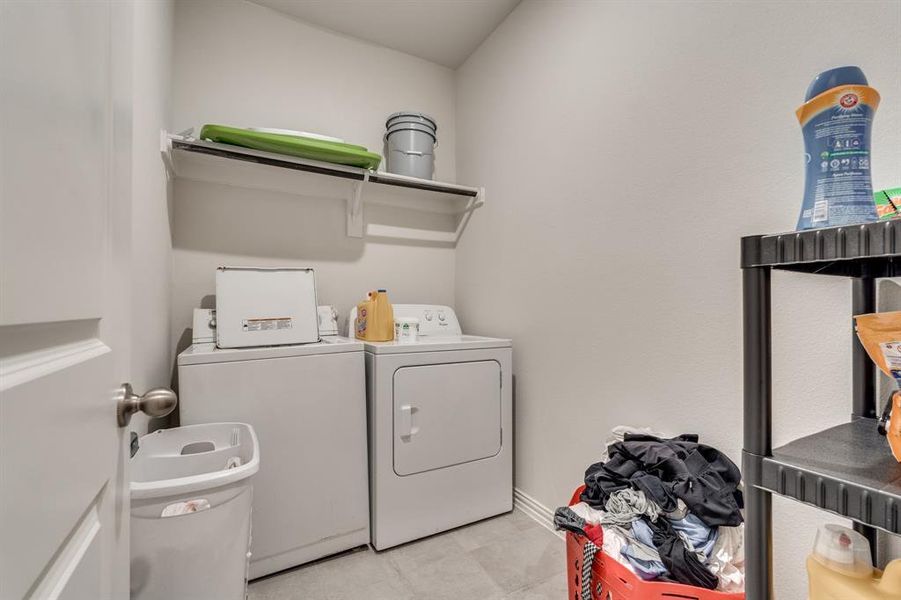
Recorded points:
406,330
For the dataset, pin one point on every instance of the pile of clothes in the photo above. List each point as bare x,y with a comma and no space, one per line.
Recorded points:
667,509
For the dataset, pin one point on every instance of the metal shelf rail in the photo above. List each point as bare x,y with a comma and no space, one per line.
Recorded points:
847,469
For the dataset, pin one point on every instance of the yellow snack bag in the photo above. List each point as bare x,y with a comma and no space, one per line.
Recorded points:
880,334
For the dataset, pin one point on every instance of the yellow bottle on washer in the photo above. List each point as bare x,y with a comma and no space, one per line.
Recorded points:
375,318
840,568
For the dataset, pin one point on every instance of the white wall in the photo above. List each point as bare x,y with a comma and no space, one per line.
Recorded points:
626,147
242,64
151,353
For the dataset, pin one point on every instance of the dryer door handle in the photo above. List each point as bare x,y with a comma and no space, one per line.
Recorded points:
407,430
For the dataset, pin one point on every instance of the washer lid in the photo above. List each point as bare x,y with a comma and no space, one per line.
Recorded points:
198,354
437,343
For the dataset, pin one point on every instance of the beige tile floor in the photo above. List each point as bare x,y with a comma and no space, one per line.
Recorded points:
510,557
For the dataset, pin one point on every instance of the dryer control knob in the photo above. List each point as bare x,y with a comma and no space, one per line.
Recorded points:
428,315
441,316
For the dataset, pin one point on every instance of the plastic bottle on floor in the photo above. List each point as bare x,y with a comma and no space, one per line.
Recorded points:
840,568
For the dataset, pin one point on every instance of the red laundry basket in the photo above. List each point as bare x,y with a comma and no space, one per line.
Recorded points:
610,580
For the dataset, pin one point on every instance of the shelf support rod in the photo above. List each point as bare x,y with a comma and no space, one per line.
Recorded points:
355,208
758,430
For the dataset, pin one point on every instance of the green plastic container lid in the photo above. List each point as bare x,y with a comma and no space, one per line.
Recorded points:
292,145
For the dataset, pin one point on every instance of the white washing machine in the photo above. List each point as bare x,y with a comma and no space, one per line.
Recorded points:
308,407
440,428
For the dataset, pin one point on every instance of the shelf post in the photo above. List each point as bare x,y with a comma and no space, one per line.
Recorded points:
758,425
863,373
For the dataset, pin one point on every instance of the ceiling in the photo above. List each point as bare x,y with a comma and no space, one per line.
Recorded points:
442,31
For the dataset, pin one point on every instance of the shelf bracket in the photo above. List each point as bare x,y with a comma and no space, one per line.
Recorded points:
166,152
355,208
474,203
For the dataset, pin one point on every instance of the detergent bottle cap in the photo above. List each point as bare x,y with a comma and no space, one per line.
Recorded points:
833,78
843,549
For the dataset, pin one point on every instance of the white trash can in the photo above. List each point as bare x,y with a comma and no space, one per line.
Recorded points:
190,512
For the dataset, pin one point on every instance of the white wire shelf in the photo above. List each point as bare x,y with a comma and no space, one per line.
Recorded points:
198,160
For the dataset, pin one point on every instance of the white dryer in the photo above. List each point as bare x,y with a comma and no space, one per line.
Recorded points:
440,428
307,405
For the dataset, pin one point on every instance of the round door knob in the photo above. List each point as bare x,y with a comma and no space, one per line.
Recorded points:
157,402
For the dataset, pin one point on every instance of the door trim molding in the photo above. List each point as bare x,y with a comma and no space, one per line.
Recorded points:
15,371
53,581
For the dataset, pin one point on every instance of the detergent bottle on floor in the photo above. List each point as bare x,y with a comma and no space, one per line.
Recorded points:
836,119
840,568
375,318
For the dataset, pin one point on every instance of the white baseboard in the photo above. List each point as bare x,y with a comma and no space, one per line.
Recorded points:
531,507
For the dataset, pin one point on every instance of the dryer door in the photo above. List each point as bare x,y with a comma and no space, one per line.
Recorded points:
446,415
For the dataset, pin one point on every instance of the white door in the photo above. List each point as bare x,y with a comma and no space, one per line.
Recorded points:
65,113
446,415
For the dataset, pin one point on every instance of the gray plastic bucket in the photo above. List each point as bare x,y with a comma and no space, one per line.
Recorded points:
412,117
411,150
404,122
412,126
